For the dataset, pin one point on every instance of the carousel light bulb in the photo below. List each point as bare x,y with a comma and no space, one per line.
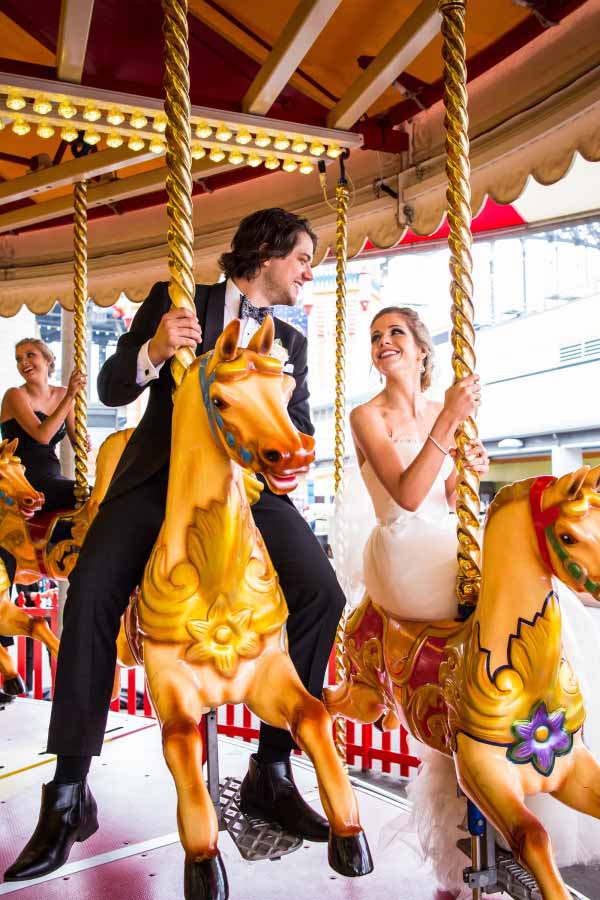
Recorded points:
91,137
203,129
198,151
160,123
217,154
21,127
135,142
15,101
66,109
223,132
281,142
306,167
254,160
317,148
333,151
243,136
157,145
45,129
137,119
91,113
289,165
41,105
262,139
271,162
114,140
299,145
69,133
236,157
114,116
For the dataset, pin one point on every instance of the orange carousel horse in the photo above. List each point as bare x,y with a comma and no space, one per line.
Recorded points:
496,692
30,540
209,619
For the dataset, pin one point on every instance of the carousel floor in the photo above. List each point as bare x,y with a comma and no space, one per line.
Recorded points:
136,854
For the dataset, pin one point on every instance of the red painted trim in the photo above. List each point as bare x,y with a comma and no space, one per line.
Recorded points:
486,59
26,69
542,518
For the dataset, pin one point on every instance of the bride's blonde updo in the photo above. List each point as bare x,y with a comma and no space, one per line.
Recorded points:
421,336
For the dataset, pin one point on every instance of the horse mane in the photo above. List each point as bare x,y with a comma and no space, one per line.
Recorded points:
508,494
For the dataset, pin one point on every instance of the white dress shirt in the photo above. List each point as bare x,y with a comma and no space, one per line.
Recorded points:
147,371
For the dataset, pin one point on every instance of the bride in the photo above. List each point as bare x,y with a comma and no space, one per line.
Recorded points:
404,445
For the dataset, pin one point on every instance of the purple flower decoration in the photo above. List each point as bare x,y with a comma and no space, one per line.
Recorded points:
540,739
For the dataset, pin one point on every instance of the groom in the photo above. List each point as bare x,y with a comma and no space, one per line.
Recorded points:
269,261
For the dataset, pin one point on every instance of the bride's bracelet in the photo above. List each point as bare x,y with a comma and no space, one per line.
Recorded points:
431,438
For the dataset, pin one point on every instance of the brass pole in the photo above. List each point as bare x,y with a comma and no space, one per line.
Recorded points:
180,234
341,247
81,489
460,242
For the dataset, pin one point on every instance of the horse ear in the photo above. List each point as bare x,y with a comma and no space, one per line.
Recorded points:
592,479
262,341
566,488
10,449
226,346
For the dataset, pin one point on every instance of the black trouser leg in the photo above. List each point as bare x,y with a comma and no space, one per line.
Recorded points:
314,598
110,566
11,567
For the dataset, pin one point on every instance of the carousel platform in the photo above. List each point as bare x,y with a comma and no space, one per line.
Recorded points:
136,854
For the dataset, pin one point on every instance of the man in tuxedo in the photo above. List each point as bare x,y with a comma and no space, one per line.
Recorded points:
270,260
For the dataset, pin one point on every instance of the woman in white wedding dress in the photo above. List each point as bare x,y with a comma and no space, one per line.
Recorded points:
404,445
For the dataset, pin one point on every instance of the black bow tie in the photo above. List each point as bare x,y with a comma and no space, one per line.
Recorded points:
247,311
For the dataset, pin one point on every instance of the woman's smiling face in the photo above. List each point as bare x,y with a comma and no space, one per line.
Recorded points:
30,362
393,347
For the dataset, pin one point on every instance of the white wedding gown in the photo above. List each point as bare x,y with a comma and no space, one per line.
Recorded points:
409,568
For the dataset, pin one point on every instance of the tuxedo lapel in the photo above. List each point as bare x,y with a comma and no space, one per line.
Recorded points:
213,319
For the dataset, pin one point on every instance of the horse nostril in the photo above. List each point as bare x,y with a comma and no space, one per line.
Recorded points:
28,501
272,456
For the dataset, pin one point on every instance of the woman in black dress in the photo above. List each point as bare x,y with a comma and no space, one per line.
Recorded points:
40,414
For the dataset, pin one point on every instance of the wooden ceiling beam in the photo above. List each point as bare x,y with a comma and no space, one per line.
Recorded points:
254,47
73,34
415,34
85,167
102,195
303,28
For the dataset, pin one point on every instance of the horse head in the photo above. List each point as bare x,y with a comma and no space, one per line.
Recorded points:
14,486
567,522
245,394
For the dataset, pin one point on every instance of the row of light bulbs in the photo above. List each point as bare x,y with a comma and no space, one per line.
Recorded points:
203,130
157,145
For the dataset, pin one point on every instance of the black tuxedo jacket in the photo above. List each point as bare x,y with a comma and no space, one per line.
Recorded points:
148,450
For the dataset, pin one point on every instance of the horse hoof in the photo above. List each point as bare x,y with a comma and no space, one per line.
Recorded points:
5,698
205,879
14,686
350,856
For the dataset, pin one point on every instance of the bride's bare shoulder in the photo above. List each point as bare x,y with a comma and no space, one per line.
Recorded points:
366,412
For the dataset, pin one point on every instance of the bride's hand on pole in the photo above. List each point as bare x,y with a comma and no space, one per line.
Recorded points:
477,459
463,398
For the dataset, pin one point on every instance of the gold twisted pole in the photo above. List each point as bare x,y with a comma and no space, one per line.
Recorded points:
80,293
461,265
180,234
341,247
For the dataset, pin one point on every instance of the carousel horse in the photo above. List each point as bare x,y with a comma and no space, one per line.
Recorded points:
34,541
496,691
208,621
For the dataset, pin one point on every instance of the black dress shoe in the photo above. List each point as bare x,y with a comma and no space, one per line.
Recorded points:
68,814
268,792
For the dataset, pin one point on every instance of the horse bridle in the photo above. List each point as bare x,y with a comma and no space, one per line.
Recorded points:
217,425
543,521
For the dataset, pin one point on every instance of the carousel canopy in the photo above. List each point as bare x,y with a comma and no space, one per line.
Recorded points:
276,89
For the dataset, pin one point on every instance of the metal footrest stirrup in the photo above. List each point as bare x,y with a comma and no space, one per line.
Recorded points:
255,838
493,868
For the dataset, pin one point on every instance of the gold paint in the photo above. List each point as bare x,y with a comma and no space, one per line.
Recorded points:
460,240
80,294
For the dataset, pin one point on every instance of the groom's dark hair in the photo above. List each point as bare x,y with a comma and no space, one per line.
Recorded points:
265,234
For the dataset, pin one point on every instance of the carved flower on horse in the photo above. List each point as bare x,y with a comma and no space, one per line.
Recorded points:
223,637
540,738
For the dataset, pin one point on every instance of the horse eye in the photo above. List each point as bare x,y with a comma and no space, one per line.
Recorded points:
219,403
568,538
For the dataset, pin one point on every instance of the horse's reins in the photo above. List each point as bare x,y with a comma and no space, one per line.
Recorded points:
543,520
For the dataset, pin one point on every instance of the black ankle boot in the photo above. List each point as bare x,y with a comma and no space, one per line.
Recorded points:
268,792
68,814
